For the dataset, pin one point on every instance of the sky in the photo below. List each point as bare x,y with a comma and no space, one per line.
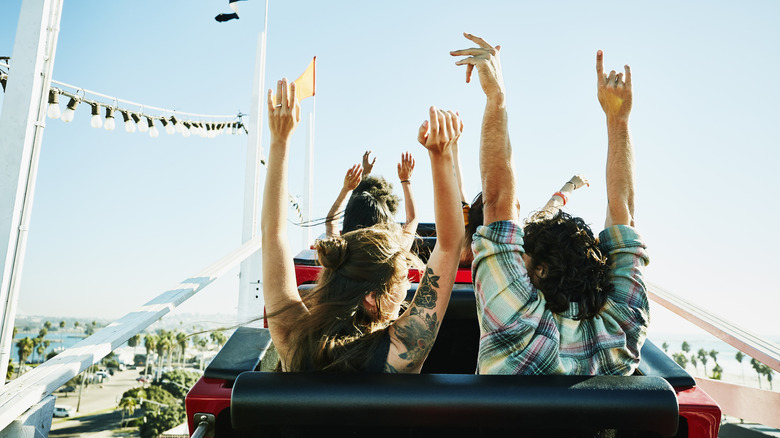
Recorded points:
119,218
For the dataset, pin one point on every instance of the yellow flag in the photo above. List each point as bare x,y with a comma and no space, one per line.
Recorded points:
305,82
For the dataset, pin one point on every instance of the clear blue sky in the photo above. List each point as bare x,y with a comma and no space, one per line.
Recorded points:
120,217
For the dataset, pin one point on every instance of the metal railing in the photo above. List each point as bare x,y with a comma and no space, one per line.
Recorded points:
26,391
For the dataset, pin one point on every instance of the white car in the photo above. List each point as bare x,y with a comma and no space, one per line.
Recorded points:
64,411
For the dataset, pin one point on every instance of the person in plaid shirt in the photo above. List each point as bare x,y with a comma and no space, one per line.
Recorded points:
551,298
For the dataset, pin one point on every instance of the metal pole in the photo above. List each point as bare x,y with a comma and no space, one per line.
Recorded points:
21,131
308,181
250,295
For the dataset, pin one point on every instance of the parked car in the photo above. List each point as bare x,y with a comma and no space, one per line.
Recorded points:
144,378
64,411
68,389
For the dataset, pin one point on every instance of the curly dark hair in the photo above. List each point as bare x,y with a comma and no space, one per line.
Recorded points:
372,202
577,270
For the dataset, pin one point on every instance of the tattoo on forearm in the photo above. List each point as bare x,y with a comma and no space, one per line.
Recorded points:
418,332
426,296
389,369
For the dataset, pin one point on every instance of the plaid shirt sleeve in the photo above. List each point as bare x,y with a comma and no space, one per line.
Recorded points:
628,305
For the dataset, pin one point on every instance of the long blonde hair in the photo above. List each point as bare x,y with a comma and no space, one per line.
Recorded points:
339,333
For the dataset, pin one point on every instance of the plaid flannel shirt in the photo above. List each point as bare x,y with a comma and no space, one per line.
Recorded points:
520,336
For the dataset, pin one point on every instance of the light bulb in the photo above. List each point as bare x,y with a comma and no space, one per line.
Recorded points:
129,122
97,121
179,127
186,130
142,127
110,123
54,104
169,128
153,132
234,128
70,111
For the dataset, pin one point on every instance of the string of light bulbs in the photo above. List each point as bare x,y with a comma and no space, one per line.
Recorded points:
172,121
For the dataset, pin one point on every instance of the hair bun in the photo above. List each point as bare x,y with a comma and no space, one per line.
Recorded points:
332,252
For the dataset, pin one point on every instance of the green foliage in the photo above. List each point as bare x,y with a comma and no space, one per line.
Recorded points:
686,347
111,363
158,422
665,347
178,382
10,371
680,359
739,356
717,372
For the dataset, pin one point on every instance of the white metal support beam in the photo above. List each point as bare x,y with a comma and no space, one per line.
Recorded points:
250,287
21,131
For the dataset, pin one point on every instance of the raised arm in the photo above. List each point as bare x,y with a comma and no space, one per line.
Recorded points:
405,169
464,200
351,180
615,97
413,334
279,287
495,152
561,197
368,163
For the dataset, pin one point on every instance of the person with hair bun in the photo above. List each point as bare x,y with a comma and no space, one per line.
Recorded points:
350,322
372,200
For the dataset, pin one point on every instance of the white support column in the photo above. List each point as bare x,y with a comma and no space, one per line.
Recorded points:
250,293
21,131
308,184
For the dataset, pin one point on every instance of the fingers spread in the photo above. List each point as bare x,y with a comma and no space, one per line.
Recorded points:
478,40
469,71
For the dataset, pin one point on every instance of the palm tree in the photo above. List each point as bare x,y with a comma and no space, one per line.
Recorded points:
717,372
24,349
757,366
768,373
40,349
695,363
128,405
739,356
133,342
47,324
714,355
35,343
680,359
665,347
702,355
181,340
686,347
76,324
218,337
163,345
62,324
150,343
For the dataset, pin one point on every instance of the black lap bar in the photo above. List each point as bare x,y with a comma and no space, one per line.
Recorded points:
639,403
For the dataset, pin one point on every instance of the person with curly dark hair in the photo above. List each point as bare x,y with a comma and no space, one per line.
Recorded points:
551,297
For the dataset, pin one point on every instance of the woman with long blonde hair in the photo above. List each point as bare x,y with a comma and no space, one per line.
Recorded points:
350,320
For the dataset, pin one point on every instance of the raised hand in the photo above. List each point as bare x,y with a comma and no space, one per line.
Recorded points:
353,177
614,93
578,181
439,134
368,164
405,167
486,59
285,113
